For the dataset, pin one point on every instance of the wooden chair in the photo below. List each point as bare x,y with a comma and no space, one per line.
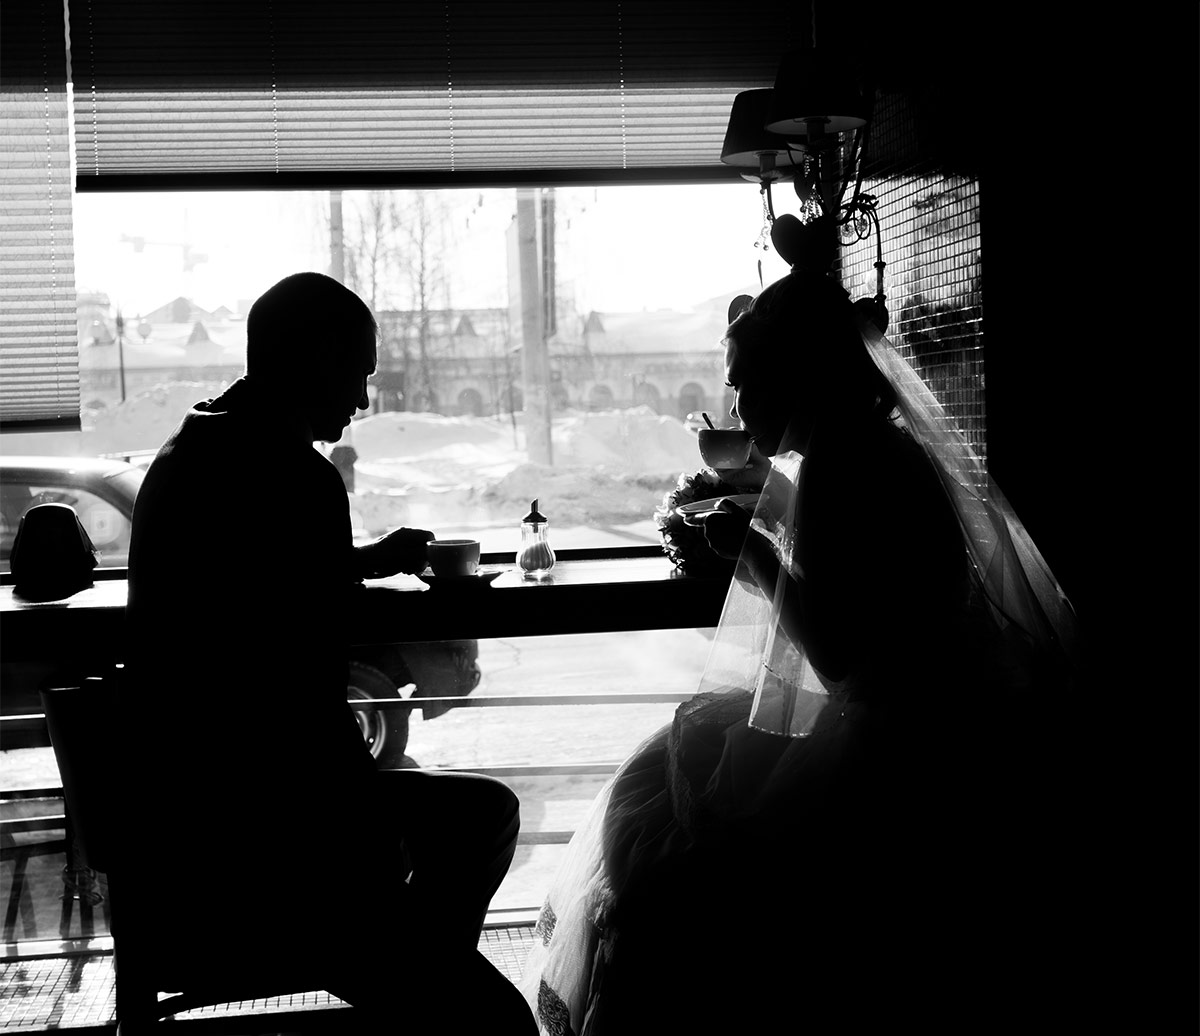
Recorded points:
82,721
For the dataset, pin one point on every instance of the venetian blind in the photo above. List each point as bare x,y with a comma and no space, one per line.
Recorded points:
39,375
374,92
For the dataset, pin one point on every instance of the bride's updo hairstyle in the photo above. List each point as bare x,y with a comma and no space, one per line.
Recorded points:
805,328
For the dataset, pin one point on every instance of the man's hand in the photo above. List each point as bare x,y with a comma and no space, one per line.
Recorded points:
402,550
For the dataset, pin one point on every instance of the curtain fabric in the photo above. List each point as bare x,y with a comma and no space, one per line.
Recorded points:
39,375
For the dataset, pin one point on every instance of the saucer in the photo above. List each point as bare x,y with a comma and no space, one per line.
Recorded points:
700,508
479,579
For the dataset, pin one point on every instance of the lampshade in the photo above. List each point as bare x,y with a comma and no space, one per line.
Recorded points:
814,84
747,144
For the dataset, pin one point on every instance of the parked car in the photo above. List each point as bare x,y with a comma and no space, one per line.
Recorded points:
694,421
102,493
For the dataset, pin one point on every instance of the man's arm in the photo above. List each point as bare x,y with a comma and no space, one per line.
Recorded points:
402,550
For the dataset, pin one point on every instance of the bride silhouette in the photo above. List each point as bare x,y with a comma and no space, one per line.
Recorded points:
821,838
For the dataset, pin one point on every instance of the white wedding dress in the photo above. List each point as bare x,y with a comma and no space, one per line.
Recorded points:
796,853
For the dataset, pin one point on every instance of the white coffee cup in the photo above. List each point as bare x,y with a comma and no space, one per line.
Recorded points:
453,557
724,449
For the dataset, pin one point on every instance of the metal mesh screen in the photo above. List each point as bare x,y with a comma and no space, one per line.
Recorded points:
930,229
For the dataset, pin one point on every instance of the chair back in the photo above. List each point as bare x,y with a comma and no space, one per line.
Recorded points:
82,724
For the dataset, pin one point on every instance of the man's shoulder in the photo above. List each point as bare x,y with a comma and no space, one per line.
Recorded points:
201,435
240,431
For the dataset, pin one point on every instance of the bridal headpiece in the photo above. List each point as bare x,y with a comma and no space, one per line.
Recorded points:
806,247
811,248
1014,583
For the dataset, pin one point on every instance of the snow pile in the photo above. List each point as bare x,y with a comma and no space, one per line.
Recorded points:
576,496
427,470
610,467
404,451
405,434
632,442
144,421
400,449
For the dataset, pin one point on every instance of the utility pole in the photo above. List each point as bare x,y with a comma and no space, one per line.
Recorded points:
535,359
337,249
549,273
121,351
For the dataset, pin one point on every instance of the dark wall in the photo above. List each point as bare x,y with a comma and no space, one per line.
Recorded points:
1082,129
980,95
1082,132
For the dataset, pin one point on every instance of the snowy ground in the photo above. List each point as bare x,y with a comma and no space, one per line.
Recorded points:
460,476
452,475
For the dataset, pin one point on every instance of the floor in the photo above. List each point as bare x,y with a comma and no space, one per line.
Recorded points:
56,970
75,993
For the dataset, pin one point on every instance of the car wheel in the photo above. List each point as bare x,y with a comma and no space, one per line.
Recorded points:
384,731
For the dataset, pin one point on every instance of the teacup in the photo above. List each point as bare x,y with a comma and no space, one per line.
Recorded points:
453,557
724,449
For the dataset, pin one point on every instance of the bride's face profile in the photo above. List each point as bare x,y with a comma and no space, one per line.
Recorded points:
764,403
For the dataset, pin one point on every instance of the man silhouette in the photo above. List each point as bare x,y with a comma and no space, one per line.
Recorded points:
252,803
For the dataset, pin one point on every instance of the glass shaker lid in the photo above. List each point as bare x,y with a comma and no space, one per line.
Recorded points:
535,515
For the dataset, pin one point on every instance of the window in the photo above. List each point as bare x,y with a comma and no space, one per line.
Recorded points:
638,280
629,306
622,287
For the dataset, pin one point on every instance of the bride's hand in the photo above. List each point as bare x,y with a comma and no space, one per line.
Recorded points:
759,464
753,476
726,528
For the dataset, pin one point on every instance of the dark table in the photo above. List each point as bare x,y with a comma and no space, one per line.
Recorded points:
580,596
85,634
